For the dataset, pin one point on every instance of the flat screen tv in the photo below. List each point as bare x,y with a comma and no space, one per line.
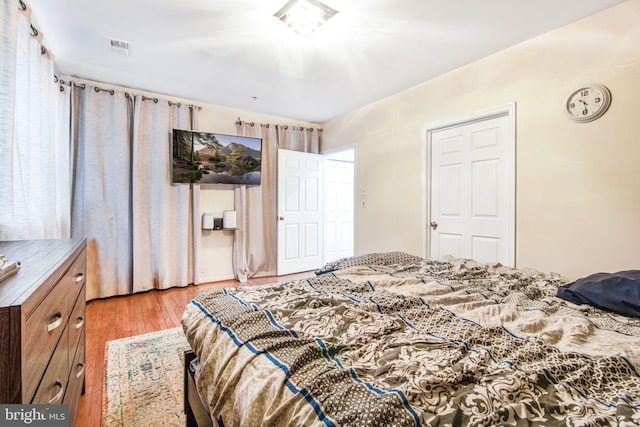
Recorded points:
215,158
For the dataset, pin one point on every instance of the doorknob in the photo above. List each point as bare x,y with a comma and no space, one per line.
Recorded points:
281,218
434,225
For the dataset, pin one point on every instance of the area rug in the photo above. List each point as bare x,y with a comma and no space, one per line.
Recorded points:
144,380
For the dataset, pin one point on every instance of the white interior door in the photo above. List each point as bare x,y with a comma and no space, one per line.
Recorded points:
339,175
300,209
472,191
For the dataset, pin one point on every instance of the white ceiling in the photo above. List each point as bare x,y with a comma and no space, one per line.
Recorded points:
237,54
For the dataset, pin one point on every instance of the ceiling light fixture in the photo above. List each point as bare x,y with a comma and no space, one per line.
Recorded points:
305,16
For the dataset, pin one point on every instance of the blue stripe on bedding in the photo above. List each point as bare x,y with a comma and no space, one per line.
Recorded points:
321,415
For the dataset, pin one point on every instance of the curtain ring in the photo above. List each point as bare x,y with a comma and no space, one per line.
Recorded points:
97,89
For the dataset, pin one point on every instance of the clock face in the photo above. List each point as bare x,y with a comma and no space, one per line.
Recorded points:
588,103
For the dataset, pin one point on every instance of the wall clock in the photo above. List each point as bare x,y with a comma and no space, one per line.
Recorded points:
588,103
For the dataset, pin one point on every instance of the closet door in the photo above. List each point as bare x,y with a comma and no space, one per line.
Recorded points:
471,191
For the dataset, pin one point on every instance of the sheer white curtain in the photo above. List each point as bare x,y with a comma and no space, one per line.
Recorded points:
102,207
8,59
254,243
165,244
34,147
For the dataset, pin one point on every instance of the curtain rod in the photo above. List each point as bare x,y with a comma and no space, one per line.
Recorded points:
126,94
266,125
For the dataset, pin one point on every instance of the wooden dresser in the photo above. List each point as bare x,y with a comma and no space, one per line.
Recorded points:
42,317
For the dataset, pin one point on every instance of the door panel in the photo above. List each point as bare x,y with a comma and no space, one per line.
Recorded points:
292,192
485,249
450,190
311,240
450,244
311,194
292,242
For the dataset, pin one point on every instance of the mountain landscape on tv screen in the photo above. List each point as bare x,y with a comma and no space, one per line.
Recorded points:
210,158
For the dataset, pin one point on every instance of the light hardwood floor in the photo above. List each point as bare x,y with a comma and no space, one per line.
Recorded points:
119,317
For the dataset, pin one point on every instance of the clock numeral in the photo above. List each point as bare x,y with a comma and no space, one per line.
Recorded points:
584,93
585,112
572,105
598,100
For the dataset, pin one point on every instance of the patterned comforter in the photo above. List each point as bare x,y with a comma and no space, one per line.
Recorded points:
396,340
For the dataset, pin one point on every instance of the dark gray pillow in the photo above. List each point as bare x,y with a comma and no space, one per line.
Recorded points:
618,292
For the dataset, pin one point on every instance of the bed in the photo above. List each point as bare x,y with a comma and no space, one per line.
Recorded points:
392,339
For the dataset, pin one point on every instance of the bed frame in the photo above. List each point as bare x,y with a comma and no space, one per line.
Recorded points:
195,411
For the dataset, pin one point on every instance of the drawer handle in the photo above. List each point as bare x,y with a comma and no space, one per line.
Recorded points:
79,278
58,396
81,371
56,323
80,323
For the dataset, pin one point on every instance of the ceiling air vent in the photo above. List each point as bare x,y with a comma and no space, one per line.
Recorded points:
120,46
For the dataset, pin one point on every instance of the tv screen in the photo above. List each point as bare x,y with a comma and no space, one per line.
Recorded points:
215,158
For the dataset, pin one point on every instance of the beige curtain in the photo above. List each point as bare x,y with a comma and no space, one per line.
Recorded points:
102,188
255,242
140,229
34,138
164,244
297,138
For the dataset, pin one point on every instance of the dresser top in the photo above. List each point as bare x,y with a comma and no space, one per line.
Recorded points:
40,261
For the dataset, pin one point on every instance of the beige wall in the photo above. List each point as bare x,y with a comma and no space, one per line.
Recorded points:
578,185
215,246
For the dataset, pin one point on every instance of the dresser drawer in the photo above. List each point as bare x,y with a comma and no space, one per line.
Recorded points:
76,378
76,276
77,322
42,333
54,382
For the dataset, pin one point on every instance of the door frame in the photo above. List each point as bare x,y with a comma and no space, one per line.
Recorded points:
508,110
327,156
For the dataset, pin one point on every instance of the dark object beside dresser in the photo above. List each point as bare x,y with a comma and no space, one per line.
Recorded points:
42,318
